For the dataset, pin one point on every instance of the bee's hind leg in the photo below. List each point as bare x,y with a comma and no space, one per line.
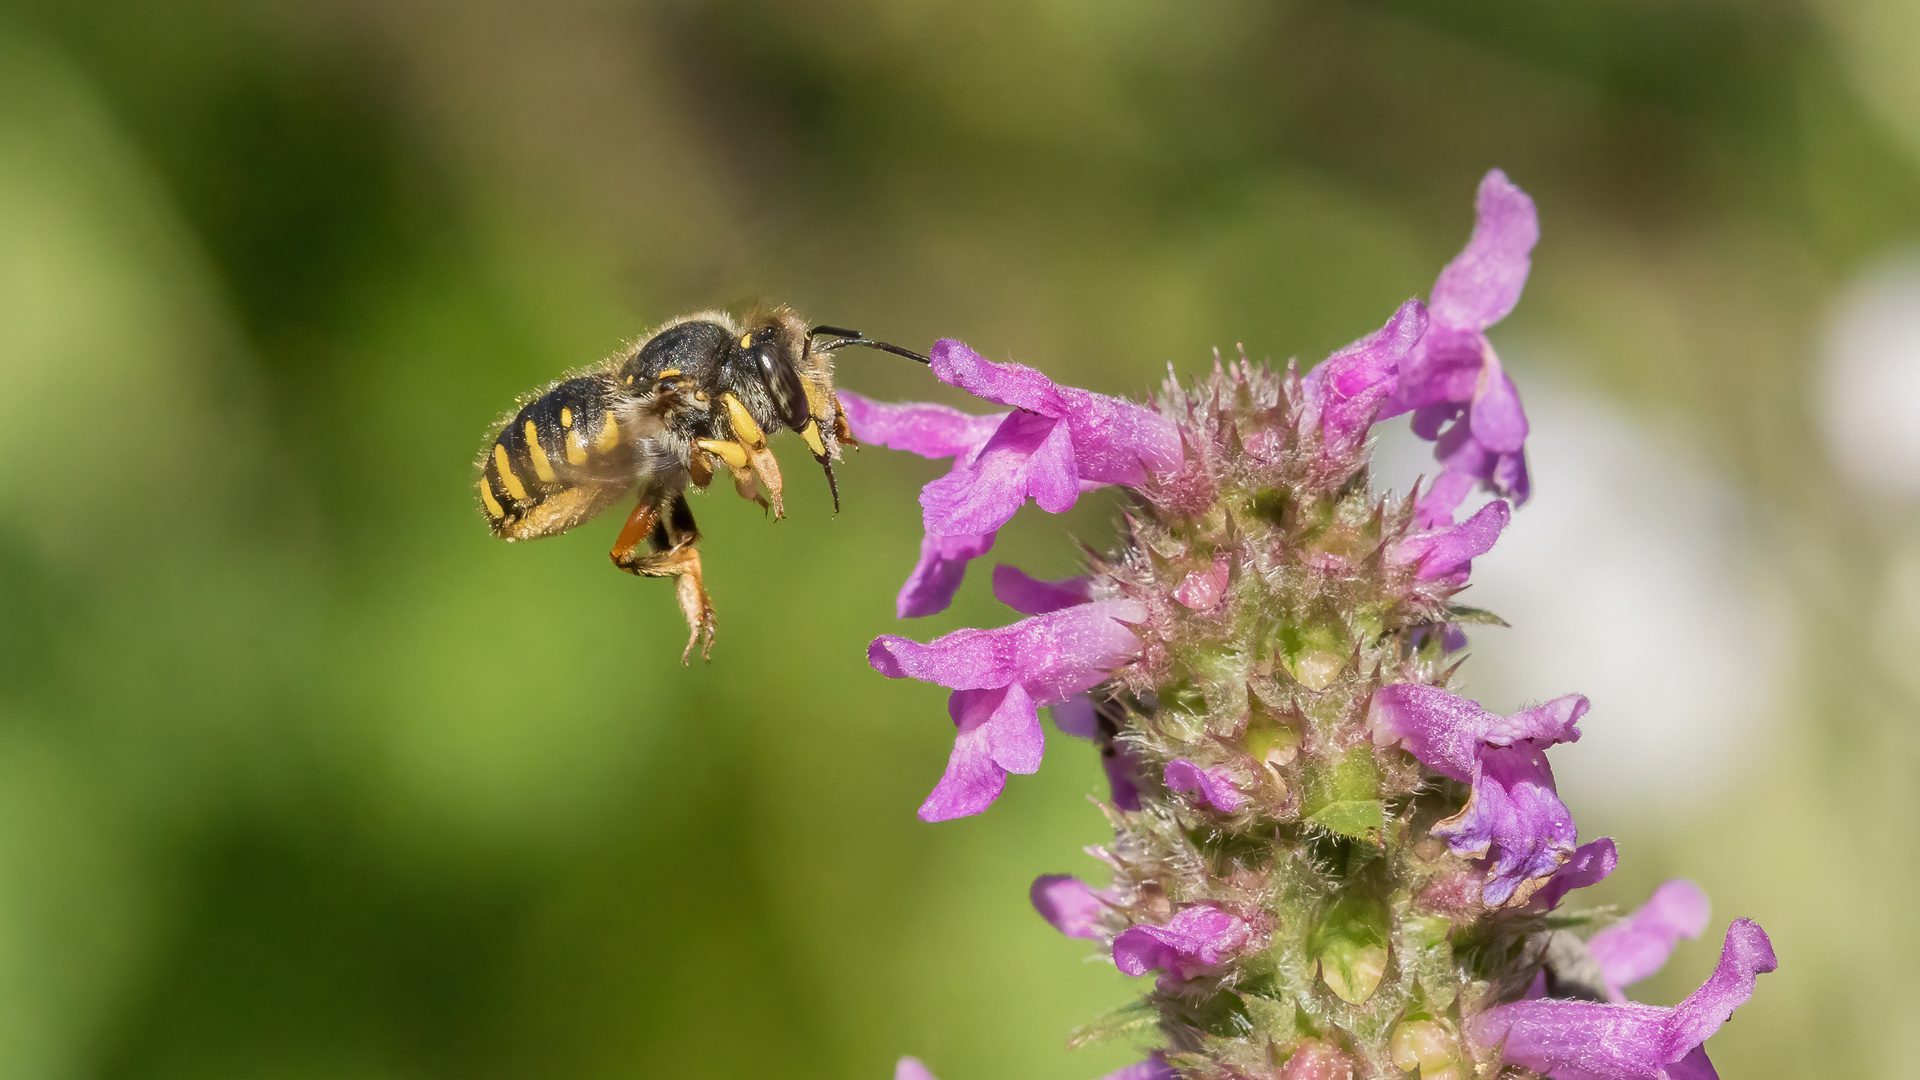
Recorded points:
673,556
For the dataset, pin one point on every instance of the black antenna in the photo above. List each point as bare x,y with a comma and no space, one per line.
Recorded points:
855,337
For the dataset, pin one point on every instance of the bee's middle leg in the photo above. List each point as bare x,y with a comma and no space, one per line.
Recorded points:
674,556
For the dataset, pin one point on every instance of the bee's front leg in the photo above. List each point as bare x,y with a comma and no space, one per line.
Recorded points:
673,556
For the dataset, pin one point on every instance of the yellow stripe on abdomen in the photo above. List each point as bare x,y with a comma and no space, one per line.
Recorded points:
494,510
538,454
507,478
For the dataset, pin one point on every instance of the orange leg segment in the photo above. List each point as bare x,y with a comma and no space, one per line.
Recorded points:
673,556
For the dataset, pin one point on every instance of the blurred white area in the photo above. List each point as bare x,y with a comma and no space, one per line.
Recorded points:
1626,578
1869,378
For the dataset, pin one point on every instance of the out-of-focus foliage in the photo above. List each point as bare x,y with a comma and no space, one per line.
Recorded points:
303,775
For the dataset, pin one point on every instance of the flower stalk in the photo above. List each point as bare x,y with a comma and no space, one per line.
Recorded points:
1332,865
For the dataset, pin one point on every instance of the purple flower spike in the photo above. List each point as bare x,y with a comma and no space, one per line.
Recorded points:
1060,442
1590,865
1213,785
1351,385
910,1068
1583,1040
1638,945
1000,678
932,431
1031,596
1073,907
1453,374
1446,554
1154,1068
1513,815
1196,938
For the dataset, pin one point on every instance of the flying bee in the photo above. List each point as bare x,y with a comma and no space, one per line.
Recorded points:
695,398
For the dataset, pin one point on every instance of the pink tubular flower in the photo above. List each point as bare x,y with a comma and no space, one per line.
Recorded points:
1638,945
1584,1040
910,1068
1453,374
1350,386
1000,677
1058,442
932,431
1070,905
1196,938
1513,817
1446,554
1214,786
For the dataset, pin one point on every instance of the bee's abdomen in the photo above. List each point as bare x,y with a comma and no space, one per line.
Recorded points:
559,461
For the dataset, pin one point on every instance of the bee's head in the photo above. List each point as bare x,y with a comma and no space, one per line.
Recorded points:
776,346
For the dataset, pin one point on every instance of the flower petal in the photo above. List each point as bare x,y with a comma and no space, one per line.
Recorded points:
1071,905
1513,815
932,431
937,576
1353,383
1075,716
1499,423
1214,785
1015,385
1481,285
1447,553
973,778
1589,865
1014,736
1196,937
1638,945
1514,818
1581,1040
1116,441
1442,729
984,493
1029,595
1001,676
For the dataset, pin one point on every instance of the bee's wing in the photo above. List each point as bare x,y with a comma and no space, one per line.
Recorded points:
559,461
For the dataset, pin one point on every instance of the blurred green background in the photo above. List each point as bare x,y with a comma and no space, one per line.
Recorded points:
302,775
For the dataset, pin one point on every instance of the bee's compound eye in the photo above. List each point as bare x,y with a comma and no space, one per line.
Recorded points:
789,397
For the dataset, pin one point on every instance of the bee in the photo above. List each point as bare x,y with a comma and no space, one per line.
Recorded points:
696,397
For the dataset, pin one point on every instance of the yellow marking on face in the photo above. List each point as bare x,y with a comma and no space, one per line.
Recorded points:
629,380
507,478
732,453
542,468
744,428
609,434
746,339
566,416
811,433
493,505
670,373
576,448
